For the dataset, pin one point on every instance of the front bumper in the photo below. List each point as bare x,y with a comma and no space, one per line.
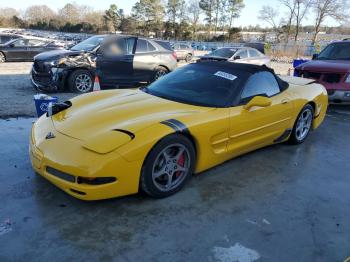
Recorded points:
62,160
339,96
48,81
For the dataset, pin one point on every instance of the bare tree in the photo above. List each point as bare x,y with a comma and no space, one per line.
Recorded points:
217,8
234,8
39,13
269,15
291,6
70,13
8,12
194,12
335,9
302,7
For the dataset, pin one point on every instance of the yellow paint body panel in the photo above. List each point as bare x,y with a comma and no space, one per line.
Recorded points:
88,144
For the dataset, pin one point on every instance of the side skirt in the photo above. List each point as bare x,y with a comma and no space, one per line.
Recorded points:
283,136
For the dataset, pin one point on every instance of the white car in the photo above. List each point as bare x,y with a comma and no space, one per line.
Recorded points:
245,55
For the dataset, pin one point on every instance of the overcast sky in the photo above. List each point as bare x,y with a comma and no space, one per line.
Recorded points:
248,16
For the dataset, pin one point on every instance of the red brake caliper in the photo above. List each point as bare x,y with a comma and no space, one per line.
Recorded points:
180,162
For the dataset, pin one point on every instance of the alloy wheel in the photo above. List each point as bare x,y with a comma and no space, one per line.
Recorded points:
171,167
83,83
159,74
2,58
303,124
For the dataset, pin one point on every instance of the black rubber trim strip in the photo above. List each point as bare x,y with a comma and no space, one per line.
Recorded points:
283,136
132,135
176,125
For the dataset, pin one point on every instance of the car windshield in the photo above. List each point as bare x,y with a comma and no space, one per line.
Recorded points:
88,44
223,52
338,51
199,84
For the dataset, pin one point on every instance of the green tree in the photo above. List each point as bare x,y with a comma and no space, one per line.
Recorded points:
174,12
208,7
150,15
113,17
234,8
194,12
128,25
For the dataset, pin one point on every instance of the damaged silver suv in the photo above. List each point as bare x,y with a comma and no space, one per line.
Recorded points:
118,60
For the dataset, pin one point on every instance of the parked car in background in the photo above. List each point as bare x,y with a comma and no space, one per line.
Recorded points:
5,38
245,55
331,68
24,49
118,60
72,69
183,52
129,61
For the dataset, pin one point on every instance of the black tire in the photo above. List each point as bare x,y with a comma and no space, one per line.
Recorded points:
159,72
188,58
148,184
2,57
296,138
85,76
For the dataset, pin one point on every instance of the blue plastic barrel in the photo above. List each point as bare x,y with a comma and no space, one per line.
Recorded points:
42,105
297,62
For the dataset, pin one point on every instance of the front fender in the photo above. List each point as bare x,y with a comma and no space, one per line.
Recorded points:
144,141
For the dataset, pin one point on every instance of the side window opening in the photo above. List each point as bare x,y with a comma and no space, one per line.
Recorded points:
150,47
20,42
253,53
242,54
141,46
261,83
115,47
130,45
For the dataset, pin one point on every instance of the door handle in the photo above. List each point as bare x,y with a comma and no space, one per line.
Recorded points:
285,101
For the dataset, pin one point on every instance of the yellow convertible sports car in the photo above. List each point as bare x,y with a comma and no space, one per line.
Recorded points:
116,142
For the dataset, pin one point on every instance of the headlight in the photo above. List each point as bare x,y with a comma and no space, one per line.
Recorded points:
56,62
347,80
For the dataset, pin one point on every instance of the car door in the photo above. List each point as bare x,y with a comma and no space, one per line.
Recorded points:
114,62
35,47
241,56
147,58
184,50
17,50
260,125
255,57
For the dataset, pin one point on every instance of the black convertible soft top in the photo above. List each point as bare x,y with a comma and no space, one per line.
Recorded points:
250,68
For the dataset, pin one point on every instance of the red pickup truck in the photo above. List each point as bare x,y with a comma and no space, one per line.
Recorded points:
331,68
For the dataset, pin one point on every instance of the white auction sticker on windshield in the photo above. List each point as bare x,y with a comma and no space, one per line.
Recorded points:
225,75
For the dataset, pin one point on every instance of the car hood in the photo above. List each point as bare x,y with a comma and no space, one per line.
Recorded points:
56,54
336,66
100,113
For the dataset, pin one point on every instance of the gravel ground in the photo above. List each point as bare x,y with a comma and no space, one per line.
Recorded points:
17,91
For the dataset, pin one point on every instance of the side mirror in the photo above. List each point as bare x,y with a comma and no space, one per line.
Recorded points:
260,101
314,56
12,45
236,57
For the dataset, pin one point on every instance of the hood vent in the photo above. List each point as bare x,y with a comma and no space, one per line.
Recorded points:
132,135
